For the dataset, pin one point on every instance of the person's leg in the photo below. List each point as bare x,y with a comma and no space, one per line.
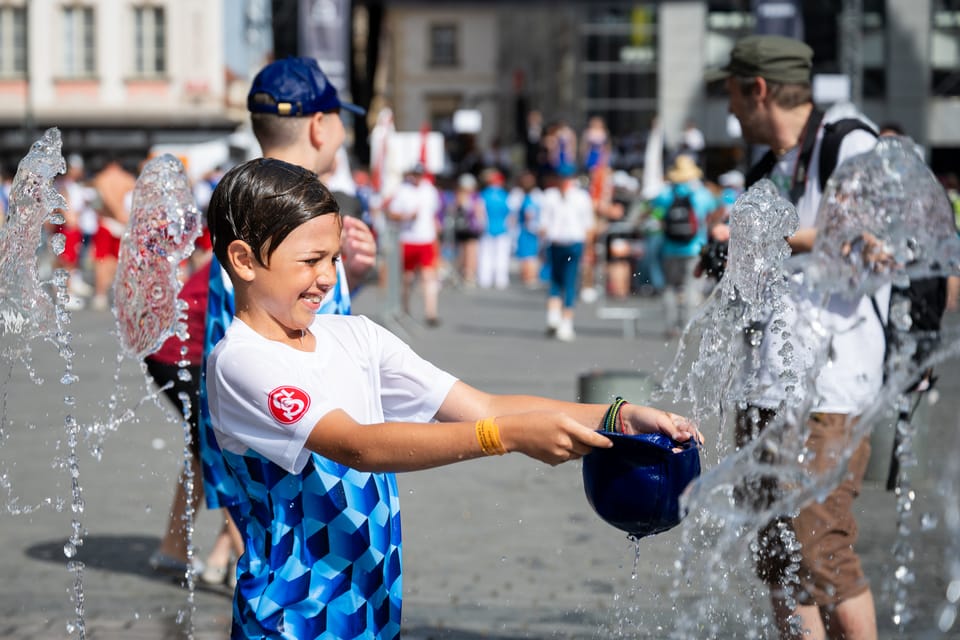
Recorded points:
486,262
227,547
501,279
555,258
470,253
407,265
672,279
797,623
830,569
171,554
104,268
571,281
428,280
690,291
854,619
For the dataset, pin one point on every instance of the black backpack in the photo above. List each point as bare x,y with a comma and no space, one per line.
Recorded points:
928,300
680,222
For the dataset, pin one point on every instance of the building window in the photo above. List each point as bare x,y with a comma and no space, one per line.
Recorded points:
443,45
825,28
619,64
13,42
150,41
945,48
79,42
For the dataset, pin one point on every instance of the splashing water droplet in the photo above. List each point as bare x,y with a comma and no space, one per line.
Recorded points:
164,222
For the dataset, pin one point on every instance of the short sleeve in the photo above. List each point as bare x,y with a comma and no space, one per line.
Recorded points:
411,388
259,402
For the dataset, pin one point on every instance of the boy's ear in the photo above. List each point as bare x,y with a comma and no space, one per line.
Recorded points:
316,132
241,259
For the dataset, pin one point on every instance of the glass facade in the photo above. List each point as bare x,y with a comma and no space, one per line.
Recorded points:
13,42
618,65
79,42
149,45
945,48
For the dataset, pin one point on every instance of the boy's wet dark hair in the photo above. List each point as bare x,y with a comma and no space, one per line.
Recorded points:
260,202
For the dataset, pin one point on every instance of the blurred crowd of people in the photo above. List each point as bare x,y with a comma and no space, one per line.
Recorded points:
498,216
561,218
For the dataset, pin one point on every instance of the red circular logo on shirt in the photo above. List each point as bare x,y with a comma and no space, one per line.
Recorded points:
288,404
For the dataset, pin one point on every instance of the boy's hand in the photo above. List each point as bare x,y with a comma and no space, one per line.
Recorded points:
640,419
549,436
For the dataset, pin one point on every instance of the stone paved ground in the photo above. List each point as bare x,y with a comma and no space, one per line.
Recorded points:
501,548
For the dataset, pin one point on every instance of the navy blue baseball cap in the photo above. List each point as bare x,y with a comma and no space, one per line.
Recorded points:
297,87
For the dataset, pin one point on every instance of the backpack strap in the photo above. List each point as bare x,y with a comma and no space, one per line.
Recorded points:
810,129
761,169
765,165
833,135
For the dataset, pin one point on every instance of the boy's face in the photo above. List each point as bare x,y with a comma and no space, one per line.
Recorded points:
284,297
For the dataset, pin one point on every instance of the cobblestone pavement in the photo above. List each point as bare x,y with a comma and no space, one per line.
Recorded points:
499,548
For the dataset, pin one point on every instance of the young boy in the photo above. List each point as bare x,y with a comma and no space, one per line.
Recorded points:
314,413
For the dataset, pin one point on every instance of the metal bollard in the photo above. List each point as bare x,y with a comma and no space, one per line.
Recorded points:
602,387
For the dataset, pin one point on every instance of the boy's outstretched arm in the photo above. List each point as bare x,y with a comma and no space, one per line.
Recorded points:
468,403
549,436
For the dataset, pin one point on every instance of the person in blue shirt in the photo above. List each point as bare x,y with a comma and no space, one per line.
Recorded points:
683,207
493,260
315,414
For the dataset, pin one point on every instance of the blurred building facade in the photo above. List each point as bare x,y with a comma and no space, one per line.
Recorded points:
630,61
116,76
120,76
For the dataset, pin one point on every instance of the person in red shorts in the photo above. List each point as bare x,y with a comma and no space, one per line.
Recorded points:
414,207
114,186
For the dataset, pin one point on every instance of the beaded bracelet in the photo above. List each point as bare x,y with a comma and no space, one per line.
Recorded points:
612,417
488,435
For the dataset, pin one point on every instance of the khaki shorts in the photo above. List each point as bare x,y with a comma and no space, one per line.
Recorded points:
829,569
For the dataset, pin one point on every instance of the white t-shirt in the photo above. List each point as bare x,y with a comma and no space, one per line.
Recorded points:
421,199
267,396
853,374
565,218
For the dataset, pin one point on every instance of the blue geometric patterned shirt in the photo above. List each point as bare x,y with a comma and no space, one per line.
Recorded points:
296,579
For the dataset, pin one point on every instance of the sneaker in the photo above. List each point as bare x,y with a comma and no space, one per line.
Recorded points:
166,565
565,333
213,575
78,287
99,303
73,303
589,295
219,576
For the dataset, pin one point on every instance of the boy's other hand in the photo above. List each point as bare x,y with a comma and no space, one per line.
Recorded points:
640,419
359,250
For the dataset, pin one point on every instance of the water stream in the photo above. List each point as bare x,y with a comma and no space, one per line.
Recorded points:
163,226
884,220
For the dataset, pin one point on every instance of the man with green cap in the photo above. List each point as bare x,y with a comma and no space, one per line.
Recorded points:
768,80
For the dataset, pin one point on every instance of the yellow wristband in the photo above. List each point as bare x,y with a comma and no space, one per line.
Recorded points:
488,435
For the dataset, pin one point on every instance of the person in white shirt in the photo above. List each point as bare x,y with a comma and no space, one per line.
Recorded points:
414,207
566,218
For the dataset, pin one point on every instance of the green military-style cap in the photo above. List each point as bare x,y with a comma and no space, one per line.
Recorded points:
774,58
